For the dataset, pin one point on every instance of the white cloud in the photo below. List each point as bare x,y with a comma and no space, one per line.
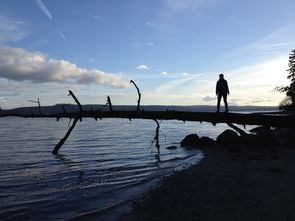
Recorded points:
251,84
209,99
185,74
142,67
184,5
19,65
44,9
62,35
2,100
275,44
154,25
150,44
164,73
12,29
172,86
98,18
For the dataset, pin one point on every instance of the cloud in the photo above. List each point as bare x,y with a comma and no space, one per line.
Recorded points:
209,99
176,6
185,74
20,65
12,29
2,100
97,18
154,25
62,35
173,86
275,44
142,67
44,9
150,44
164,73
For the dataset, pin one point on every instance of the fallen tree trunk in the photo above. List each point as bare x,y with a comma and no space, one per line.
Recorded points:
287,121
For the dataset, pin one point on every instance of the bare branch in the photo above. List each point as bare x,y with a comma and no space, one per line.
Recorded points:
157,135
139,94
63,140
109,103
36,102
76,100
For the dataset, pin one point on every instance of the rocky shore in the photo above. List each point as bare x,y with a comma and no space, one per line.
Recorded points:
248,178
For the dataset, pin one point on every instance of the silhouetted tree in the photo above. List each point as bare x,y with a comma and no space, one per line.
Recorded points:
290,90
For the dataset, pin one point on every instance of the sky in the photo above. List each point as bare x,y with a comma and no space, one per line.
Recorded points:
173,50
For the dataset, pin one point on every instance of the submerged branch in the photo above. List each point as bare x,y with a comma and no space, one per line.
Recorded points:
157,136
63,140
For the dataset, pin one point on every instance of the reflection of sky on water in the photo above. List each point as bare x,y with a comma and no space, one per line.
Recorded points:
100,164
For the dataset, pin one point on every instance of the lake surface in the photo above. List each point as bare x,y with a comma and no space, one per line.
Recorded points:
103,165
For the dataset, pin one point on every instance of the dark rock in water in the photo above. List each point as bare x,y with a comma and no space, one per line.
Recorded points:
206,141
171,147
191,140
228,137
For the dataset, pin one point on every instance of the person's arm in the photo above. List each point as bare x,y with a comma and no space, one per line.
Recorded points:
216,88
227,88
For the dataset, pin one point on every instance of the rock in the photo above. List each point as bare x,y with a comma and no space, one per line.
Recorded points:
191,140
228,137
206,141
171,147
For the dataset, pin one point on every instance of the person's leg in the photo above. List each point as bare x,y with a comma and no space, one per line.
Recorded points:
218,101
225,102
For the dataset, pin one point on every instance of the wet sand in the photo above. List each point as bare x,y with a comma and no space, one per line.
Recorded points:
245,183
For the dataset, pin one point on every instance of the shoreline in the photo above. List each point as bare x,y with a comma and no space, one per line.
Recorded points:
248,183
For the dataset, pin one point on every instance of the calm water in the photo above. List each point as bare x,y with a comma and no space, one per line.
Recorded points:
102,166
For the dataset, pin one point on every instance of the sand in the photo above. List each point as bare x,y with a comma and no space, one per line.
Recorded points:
228,184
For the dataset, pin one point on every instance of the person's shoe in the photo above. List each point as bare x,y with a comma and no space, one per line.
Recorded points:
226,111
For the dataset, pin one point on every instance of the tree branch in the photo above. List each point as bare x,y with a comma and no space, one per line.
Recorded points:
109,102
139,94
76,100
63,140
157,136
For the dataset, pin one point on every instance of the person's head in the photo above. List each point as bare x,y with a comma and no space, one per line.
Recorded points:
221,76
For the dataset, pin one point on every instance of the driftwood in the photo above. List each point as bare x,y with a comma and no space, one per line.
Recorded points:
284,121
268,120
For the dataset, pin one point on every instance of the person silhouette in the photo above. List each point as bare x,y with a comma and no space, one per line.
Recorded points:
222,91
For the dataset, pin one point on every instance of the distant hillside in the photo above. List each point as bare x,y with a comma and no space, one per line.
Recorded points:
74,108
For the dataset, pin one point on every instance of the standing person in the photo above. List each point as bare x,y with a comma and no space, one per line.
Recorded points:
222,91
